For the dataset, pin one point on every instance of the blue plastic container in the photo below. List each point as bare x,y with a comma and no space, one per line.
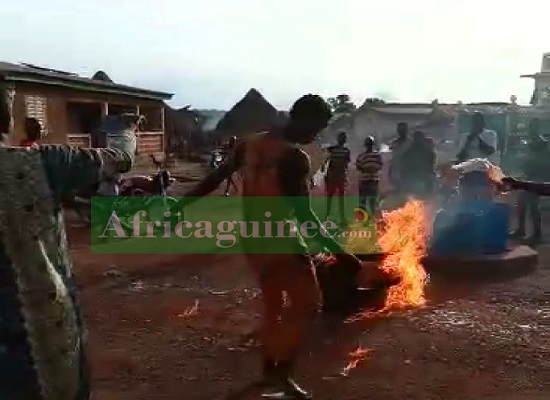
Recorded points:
457,233
474,228
496,225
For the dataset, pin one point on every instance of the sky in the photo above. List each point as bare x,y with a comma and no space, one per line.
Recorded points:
210,52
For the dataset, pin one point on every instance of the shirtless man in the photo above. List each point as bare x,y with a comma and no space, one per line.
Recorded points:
272,165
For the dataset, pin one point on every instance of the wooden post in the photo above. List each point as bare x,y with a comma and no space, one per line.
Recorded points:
138,132
162,122
10,94
507,128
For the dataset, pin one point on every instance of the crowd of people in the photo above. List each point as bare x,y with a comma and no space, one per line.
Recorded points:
274,164
411,171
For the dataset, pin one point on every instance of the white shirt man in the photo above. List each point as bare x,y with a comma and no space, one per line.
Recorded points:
479,142
473,149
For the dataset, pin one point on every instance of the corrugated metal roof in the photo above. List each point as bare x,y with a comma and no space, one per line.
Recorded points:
536,74
32,74
404,110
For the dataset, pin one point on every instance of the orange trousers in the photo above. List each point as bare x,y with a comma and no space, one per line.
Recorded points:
290,297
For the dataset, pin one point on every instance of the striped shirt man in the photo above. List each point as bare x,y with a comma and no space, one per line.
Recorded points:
338,161
369,164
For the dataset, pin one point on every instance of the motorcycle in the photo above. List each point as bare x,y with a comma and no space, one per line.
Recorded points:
154,187
147,185
216,158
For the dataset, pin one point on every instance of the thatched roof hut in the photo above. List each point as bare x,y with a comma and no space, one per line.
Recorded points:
253,113
183,125
102,76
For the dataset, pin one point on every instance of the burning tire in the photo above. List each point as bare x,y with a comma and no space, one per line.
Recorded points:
342,290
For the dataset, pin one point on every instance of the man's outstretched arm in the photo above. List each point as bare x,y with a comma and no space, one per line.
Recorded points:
540,188
74,169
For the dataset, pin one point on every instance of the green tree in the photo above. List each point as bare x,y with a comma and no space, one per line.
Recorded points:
374,101
341,104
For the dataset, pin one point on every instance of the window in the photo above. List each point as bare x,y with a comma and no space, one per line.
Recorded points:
118,109
36,108
153,118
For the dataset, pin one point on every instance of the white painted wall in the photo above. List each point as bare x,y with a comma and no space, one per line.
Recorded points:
541,83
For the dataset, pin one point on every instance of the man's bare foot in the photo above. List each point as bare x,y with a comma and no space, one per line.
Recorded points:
295,390
288,390
277,383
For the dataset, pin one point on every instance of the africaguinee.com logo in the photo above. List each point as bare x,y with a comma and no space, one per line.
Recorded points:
361,214
218,225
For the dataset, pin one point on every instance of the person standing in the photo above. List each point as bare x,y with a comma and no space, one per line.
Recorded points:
420,158
274,166
369,165
227,151
480,142
336,173
129,125
534,188
33,133
430,166
41,326
398,147
535,168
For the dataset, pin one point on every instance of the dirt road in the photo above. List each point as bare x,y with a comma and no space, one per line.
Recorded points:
148,341
183,327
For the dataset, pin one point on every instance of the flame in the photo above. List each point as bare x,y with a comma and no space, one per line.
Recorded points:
402,235
357,356
190,311
404,238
